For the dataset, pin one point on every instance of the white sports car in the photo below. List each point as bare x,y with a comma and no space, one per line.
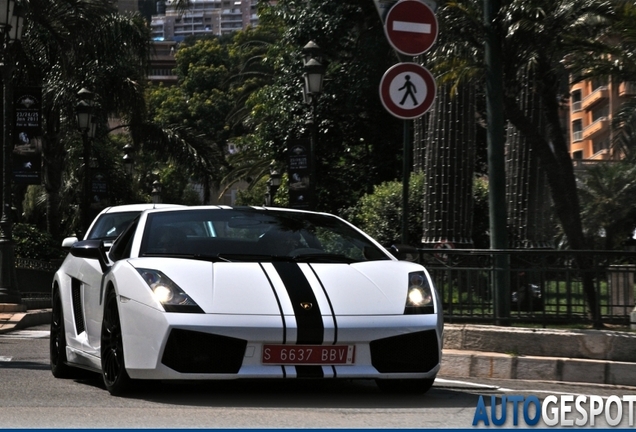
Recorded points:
209,293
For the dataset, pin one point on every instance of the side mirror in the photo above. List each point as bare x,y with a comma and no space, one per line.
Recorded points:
91,249
404,252
69,241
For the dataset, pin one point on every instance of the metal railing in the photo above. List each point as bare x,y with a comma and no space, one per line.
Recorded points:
545,286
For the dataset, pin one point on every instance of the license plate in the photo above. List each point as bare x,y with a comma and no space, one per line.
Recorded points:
308,354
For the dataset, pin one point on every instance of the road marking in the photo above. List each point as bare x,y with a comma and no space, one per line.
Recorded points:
446,382
5,359
411,27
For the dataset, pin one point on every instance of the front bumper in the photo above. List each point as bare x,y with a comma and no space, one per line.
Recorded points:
159,345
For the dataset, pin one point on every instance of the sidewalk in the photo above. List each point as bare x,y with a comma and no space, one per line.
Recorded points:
481,351
16,317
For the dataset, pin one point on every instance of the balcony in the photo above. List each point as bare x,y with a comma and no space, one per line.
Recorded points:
599,94
596,128
602,154
627,88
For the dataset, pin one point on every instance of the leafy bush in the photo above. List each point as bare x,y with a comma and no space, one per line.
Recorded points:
32,243
380,214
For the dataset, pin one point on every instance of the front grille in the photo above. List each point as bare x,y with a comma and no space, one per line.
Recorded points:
412,352
196,352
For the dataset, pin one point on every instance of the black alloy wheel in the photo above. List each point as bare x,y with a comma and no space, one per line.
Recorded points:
114,372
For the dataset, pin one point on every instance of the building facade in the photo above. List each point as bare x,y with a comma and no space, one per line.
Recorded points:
204,17
593,104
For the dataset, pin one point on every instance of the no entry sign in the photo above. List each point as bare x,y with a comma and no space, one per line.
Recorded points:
411,27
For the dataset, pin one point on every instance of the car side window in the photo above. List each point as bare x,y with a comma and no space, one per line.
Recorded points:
123,245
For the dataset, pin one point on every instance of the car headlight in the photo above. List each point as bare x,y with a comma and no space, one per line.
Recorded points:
419,294
168,293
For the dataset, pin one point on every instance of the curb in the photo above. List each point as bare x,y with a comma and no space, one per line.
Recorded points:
462,364
10,321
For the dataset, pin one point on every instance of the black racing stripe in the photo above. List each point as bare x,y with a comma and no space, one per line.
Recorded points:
280,307
311,330
333,314
307,371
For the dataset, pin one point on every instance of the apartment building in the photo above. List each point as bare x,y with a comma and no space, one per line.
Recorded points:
204,17
593,103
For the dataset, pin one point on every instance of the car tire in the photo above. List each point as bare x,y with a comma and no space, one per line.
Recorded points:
57,341
114,373
405,386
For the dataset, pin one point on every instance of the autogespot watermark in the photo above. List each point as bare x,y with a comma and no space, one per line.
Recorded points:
561,410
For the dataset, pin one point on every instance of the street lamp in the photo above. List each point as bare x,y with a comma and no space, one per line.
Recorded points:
85,115
313,73
272,184
128,159
156,192
10,31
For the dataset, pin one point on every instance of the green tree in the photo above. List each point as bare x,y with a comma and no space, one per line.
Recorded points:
536,35
71,44
607,191
359,143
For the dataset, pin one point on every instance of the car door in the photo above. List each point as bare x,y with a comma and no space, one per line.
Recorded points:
94,295
89,283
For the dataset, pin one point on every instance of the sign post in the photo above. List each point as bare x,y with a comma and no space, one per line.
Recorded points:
407,90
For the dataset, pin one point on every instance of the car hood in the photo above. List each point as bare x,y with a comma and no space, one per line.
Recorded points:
266,288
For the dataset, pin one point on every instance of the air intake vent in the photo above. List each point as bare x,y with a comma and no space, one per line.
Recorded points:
196,352
413,352
78,312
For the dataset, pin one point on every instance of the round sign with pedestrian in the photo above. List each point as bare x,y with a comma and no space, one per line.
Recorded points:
407,90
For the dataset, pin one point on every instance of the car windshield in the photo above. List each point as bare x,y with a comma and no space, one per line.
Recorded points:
255,235
110,225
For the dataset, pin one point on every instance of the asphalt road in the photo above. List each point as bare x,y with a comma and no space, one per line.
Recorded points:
30,397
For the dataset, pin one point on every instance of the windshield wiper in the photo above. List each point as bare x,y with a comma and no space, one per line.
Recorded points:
201,257
324,258
254,257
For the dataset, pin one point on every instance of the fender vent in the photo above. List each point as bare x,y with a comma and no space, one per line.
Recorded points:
196,352
78,312
413,352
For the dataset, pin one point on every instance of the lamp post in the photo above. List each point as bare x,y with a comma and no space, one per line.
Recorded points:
128,159
156,192
10,31
86,124
313,73
272,184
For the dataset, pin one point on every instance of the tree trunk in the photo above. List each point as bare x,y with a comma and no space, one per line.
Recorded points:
555,159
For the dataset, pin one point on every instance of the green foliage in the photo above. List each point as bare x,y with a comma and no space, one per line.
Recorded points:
380,214
32,243
481,217
358,142
605,191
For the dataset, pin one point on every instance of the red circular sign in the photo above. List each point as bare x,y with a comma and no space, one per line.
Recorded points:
411,27
407,90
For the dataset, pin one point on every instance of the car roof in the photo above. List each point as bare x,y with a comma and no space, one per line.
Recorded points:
137,207
226,207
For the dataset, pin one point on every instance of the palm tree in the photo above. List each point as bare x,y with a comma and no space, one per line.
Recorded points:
536,36
72,44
